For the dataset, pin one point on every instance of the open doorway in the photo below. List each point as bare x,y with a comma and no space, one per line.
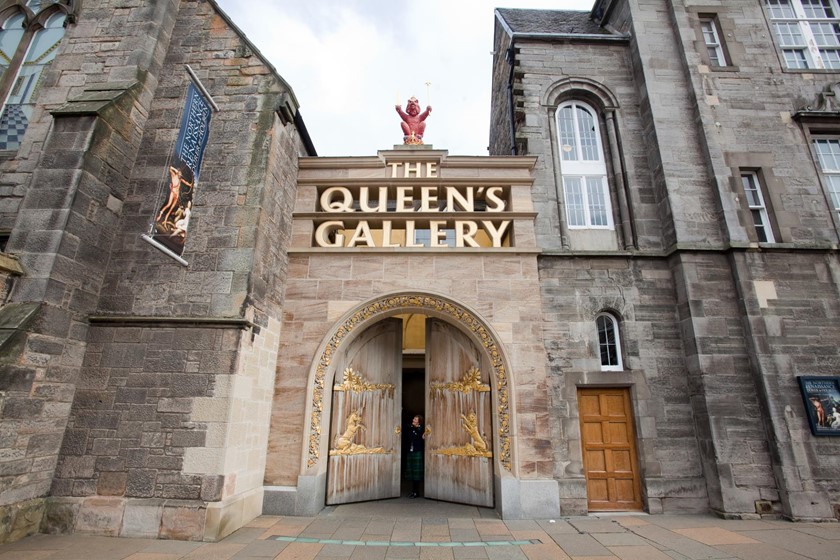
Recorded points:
413,396
395,369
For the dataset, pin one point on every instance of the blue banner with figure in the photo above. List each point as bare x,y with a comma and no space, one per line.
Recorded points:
172,216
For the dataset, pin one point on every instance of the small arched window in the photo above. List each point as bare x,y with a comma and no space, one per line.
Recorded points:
609,342
583,167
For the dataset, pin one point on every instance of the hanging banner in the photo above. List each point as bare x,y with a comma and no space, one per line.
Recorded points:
172,215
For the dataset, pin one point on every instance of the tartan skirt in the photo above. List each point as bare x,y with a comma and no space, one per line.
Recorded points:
414,465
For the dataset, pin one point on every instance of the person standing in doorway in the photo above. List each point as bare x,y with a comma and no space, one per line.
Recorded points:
414,457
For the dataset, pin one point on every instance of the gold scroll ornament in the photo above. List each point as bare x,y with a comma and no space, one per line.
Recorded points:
344,443
478,447
470,381
355,383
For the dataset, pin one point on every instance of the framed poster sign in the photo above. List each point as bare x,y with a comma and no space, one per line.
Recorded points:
821,395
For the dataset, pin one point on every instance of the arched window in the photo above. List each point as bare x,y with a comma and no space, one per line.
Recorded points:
11,32
583,167
609,343
22,67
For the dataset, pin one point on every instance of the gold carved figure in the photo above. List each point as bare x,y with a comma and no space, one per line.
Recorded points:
470,424
344,443
478,447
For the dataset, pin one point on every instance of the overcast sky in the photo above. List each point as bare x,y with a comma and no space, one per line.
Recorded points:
348,59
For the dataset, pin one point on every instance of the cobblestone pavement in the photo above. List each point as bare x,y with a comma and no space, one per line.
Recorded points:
432,530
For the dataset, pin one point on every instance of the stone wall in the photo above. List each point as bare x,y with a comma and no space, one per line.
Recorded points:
687,131
640,292
68,181
154,446
172,423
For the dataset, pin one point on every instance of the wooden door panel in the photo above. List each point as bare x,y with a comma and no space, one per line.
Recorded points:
589,404
618,434
609,449
614,406
459,450
364,456
596,461
625,491
622,462
593,432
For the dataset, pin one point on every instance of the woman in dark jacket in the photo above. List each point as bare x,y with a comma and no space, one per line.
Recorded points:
414,455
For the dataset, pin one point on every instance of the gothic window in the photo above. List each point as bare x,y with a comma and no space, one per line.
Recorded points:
757,207
800,23
582,167
711,37
29,40
828,153
609,344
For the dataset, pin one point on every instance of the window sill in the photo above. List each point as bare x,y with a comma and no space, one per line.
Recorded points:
811,70
598,228
728,68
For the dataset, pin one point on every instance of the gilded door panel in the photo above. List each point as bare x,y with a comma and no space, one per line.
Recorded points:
364,457
459,449
609,450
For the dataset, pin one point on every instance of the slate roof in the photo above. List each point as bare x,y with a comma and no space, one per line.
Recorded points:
551,21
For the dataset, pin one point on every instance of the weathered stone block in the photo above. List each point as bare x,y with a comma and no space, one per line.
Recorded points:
183,521
60,516
102,516
140,483
212,487
111,483
142,518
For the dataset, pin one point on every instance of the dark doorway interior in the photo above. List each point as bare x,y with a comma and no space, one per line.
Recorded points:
413,403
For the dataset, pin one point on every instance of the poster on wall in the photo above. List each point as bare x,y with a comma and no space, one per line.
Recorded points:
170,227
821,395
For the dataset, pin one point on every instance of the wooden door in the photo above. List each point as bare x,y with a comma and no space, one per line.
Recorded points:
609,450
364,457
459,449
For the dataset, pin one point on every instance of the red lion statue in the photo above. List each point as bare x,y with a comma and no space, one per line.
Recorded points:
413,125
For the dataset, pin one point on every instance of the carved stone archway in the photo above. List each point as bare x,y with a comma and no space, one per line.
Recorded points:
388,305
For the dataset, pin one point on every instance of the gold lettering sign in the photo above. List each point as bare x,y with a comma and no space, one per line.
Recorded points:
413,213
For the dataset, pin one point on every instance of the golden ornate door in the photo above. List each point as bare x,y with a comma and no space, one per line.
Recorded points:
609,450
364,457
459,447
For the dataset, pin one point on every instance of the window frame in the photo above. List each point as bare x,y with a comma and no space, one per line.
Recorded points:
718,45
826,175
591,174
802,31
613,323
757,206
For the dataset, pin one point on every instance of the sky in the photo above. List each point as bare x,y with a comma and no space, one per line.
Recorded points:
349,61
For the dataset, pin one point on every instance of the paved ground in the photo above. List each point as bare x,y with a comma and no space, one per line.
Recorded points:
425,529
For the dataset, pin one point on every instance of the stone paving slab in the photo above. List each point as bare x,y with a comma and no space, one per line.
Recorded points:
479,536
714,536
797,542
760,551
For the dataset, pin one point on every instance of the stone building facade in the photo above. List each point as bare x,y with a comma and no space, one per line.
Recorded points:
684,189
613,311
128,378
